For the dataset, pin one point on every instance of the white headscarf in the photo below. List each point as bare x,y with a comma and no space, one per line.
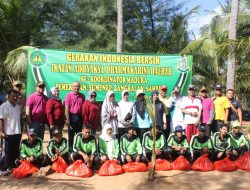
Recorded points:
108,138
123,92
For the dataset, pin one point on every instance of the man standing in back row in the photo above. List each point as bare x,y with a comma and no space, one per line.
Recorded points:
73,112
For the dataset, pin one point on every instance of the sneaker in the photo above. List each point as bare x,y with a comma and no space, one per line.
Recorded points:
4,173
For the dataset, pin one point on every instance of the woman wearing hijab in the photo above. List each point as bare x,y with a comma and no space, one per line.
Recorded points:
91,112
142,120
160,112
110,112
55,110
108,144
127,113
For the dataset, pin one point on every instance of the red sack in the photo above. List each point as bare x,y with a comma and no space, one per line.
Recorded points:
243,162
203,164
181,163
24,170
59,165
161,165
110,168
78,169
225,165
135,167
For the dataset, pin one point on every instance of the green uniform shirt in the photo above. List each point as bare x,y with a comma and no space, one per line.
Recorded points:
61,147
148,141
222,144
173,140
130,145
238,139
87,146
28,149
197,143
103,147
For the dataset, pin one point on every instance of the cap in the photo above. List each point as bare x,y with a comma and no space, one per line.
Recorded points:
235,124
16,82
178,128
163,87
202,128
40,83
139,91
57,131
203,89
31,132
176,89
191,87
218,87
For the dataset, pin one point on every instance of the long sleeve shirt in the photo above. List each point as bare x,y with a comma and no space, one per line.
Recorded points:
130,145
35,149
238,139
173,140
87,146
147,142
55,112
53,147
103,148
197,143
220,144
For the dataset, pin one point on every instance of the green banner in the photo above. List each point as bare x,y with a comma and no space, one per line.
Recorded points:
101,71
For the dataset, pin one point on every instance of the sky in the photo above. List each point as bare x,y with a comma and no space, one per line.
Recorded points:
204,17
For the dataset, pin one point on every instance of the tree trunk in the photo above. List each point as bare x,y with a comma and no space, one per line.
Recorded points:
232,36
151,18
119,45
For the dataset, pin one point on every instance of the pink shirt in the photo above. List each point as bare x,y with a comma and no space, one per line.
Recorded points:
74,102
37,106
207,106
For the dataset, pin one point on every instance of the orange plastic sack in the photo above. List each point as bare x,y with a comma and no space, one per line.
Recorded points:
110,168
203,164
78,169
161,165
225,165
243,162
59,165
181,163
24,170
135,167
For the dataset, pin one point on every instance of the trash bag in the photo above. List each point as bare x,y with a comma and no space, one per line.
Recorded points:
110,168
225,165
24,170
203,164
181,163
243,162
78,169
135,167
59,165
161,165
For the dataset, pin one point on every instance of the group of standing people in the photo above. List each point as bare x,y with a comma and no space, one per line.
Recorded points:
126,126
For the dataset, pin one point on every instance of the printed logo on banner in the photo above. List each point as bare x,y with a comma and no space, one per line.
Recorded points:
38,58
183,65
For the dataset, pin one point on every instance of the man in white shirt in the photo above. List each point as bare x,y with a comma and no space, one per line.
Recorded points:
191,107
10,131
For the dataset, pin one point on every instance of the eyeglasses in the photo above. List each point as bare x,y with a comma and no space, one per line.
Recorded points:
92,95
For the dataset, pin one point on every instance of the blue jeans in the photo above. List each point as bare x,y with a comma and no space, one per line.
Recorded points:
39,129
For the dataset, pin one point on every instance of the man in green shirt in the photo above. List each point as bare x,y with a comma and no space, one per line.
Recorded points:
178,144
58,146
131,149
160,144
239,140
32,150
201,144
222,144
85,147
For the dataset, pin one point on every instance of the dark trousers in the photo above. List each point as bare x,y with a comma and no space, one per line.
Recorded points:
133,158
163,155
55,127
75,127
40,161
208,129
75,156
121,131
173,154
39,129
241,150
140,132
65,157
216,125
198,153
11,151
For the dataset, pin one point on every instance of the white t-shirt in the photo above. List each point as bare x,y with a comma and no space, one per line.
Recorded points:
191,105
11,116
